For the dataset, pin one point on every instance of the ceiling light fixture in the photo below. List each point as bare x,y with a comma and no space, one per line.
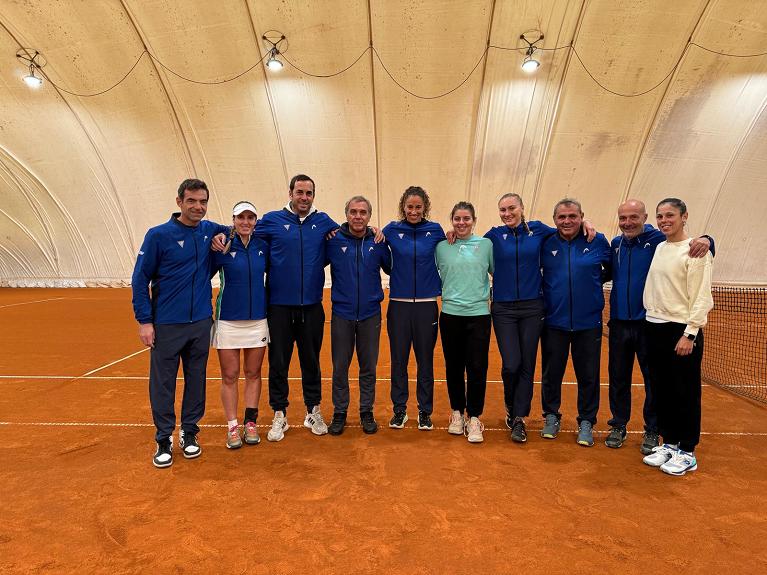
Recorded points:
530,64
34,61
275,43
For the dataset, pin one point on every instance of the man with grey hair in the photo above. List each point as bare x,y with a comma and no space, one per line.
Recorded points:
355,262
573,273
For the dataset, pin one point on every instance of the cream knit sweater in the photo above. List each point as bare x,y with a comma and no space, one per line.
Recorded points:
678,287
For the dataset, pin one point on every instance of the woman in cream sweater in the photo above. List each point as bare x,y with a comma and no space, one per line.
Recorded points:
677,297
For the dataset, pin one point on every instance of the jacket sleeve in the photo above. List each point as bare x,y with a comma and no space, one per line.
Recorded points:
147,262
385,258
699,293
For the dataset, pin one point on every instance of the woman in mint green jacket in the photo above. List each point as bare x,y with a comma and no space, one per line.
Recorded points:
465,320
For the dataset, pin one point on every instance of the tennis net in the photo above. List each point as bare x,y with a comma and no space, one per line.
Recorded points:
735,340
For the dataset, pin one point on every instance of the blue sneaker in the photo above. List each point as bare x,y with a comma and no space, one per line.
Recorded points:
550,426
585,434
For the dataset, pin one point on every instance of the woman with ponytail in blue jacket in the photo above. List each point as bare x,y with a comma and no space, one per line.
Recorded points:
412,317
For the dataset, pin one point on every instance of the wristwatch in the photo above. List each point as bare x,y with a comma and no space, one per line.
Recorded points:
690,336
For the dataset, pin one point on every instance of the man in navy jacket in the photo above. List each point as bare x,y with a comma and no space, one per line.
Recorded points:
356,262
296,276
174,321
573,273
631,254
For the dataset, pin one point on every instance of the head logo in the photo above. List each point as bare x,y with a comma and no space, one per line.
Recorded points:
428,234
647,245
617,250
140,253
181,243
401,236
505,236
232,254
314,226
205,239
585,250
287,226
260,253
554,252
370,249
343,249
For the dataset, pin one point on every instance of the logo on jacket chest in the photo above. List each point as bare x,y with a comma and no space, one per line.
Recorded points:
554,252
180,243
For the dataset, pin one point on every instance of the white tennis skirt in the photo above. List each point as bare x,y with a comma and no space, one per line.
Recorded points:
239,334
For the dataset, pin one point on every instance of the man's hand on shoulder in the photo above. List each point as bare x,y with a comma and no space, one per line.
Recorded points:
699,247
218,243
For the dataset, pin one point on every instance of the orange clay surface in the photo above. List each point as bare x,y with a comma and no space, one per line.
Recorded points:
80,495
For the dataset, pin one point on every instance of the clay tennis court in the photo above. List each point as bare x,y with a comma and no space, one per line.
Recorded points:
80,493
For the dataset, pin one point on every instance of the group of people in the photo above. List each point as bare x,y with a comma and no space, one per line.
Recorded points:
547,287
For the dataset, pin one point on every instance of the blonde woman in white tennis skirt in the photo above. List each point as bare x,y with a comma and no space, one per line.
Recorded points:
241,321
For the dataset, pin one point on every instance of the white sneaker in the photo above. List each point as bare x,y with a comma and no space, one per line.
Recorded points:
315,422
660,454
457,423
279,427
474,430
680,463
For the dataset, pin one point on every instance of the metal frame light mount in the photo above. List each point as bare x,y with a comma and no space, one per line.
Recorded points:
530,64
34,61
276,44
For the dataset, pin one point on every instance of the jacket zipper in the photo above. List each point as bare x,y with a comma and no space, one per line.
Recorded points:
250,281
570,281
516,243
628,287
301,244
357,261
194,279
415,287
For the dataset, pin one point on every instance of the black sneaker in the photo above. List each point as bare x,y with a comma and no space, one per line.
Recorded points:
509,419
336,426
650,441
188,444
398,420
616,437
424,421
518,431
163,456
368,422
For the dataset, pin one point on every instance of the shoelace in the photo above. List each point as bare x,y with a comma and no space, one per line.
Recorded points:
518,426
250,427
234,432
318,418
278,423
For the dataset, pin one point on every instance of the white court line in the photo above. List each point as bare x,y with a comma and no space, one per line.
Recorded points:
35,301
110,364
411,428
382,380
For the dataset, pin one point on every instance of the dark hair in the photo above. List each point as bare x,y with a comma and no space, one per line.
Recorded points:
521,205
192,184
356,199
418,192
464,206
568,202
300,178
675,202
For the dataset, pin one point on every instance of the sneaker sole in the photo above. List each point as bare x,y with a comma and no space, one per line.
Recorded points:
395,426
655,464
519,439
424,428
586,443
314,431
335,433
618,447
680,473
475,440
549,435
162,465
191,455
370,431
252,441
234,446
455,432
646,450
